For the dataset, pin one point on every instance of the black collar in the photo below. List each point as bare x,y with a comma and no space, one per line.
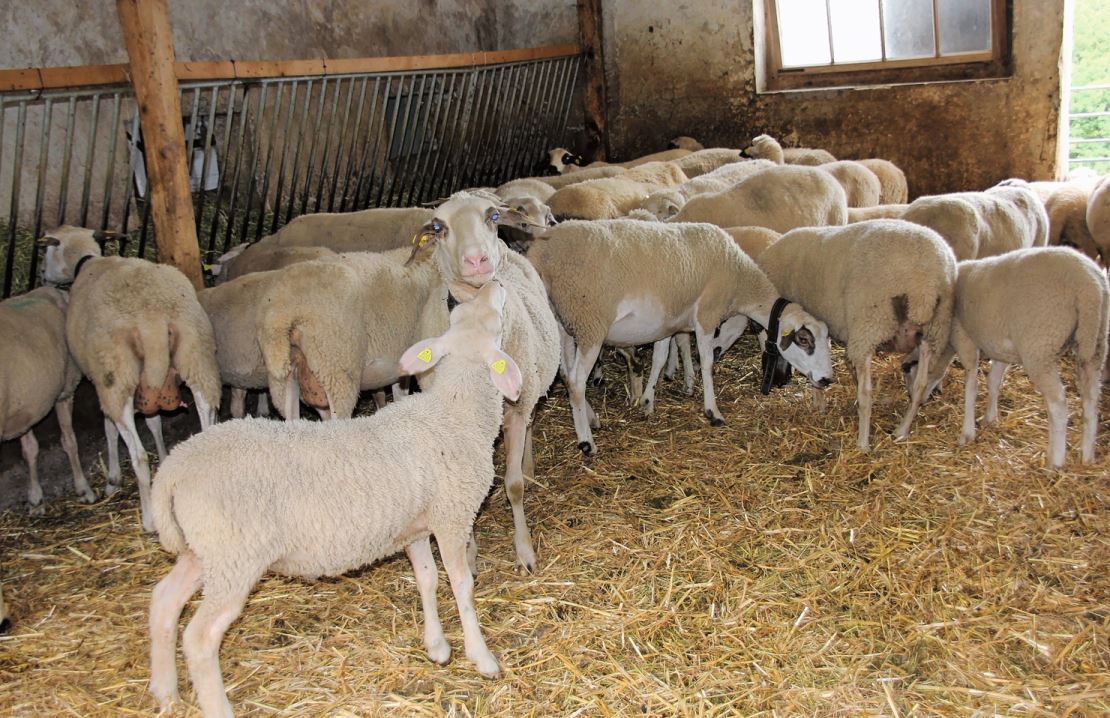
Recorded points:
80,264
776,370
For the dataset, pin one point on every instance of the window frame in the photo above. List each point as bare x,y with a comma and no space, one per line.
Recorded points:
995,64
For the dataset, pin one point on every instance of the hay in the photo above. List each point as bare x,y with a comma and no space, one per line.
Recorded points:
767,568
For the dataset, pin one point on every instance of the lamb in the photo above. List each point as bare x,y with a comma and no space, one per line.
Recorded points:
308,499
879,211
38,374
665,203
467,253
660,279
1028,307
891,178
860,184
768,148
983,224
1098,218
683,142
613,197
704,161
135,329
874,283
779,198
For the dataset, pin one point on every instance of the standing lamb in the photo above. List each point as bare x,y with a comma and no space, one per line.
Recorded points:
1028,307
37,375
313,499
766,147
660,279
861,185
136,330
891,178
1098,218
876,283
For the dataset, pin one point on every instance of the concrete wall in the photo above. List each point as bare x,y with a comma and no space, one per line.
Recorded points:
688,67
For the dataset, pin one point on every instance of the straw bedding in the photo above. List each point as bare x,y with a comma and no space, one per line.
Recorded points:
767,568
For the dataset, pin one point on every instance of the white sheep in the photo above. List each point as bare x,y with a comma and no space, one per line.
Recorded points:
135,329
37,375
563,161
879,211
766,147
526,187
703,161
467,253
311,499
683,142
983,224
891,178
665,203
1098,218
562,180
613,197
659,279
778,198
874,283
1028,307
861,185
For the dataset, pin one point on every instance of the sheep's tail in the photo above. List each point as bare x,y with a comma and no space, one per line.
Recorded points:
1092,319
165,522
151,342
194,355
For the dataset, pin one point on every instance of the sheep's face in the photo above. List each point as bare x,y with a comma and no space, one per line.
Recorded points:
663,204
64,247
764,147
534,214
804,342
563,160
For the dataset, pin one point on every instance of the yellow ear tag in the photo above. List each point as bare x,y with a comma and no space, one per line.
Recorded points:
786,332
425,355
498,366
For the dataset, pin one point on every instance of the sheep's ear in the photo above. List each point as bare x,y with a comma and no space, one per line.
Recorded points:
505,374
425,239
422,356
510,217
49,241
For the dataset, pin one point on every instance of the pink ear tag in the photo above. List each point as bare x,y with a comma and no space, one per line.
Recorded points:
498,366
425,355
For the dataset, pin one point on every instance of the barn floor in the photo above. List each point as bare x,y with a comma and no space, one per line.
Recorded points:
766,568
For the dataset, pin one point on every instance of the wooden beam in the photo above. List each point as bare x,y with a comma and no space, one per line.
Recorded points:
146,32
594,99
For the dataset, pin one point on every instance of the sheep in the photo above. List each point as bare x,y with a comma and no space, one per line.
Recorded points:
876,282
860,184
1028,307
533,214
665,203
778,198
613,197
1066,205
703,161
768,148
526,187
309,499
683,142
1098,218
467,253
983,224
135,329
370,230
38,374
660,279
879,211
891,178
560,160
261,257
560,181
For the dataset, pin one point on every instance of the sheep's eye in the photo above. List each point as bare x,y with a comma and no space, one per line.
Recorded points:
520,208
437,227
494,216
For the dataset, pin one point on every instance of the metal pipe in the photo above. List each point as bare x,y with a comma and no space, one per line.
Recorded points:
430,105
312,147
342,141
416,99
244,115
302,129
229,121
327,146
279,186
13,211
389,137
356,201
110,171
279,92
40,187
349,174
420,181
259,117
209,130
67,156
89,154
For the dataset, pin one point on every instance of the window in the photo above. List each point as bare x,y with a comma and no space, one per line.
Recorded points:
831,43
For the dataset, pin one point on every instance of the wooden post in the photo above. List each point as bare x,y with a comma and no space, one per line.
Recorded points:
146,32
594,100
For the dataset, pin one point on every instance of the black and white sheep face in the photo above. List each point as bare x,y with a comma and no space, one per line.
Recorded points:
563,160
804,342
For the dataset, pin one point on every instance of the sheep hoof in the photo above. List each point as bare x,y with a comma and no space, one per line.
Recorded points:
714,420
167,698
38,509
966,439
587,448
439,652
5,626
486,665
87,497
647,406
110,489
526,560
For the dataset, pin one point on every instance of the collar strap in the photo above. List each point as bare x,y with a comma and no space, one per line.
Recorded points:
776,370
80,264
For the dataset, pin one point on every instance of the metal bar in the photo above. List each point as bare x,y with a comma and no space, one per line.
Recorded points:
1089,140
67,157
207,143
389,137
416,101
355,203
446,155
535,118
259,117
431,107
280,91
192,130
339,145
936,29
472,148
40,186
1075,115
89,155
349,174
244,115
569,95
498,123
546,101
302,128
279,186
327,146
882,30
380,138
420,178
144,229
1088,159
522,122
110,171
229,122
1084,88
312,148
561,75
515,119
13,207
486,126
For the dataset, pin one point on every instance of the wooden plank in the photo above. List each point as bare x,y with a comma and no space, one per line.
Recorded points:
594,92
149,40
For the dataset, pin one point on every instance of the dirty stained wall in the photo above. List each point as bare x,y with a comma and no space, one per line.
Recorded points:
688,67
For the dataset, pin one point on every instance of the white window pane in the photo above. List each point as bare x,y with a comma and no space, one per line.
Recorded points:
965,26
855,30
909,28
803,32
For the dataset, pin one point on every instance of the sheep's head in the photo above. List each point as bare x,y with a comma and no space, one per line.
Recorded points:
65,246
803,340
764,147
475,332
535,214
562,160
663,204
686,143
462,236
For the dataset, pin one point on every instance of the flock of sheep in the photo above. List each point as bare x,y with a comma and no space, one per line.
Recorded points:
485,298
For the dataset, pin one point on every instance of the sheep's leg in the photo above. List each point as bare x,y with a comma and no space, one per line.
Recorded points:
453,552
818,399
672,359
580,409
515,433
472,553
635,374
971,390
731,330
994,386
139,462
154,426
427,578
325,414
1090,387
201,645
682,341
529,465
30,447
659,353
400,389
705,355
64,411
206,411
566,356
379,398
917,392
863,398
1047,380
166,602
115,475
262,408
292,397
238,403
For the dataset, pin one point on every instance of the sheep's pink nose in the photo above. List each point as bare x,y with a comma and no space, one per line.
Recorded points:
475,261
